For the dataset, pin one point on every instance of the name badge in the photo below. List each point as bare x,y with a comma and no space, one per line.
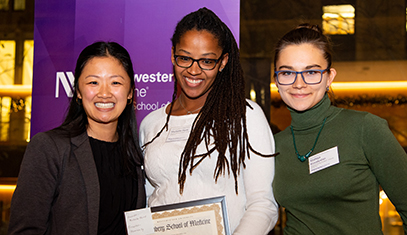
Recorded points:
323,160
178,134
139,222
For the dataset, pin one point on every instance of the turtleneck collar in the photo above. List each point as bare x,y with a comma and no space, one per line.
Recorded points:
312,117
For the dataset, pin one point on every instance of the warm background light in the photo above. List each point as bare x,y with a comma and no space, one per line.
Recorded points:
386,88
7,187
15,90
355,88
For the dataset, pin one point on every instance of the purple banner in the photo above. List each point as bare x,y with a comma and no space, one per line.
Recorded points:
64,27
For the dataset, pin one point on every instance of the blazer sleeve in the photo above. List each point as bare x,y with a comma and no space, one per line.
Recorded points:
36,186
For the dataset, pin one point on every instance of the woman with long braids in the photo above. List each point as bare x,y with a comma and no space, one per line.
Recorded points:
211,141
331,160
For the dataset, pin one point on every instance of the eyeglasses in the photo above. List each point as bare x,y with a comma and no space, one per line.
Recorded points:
310,77
203,63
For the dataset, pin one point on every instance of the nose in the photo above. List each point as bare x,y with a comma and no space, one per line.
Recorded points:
194,69
299,82
104,91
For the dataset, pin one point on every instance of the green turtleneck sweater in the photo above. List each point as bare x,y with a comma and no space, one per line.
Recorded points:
341,199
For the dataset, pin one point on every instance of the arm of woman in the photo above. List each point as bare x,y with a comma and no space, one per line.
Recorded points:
145,124
36,186
261,208
388,162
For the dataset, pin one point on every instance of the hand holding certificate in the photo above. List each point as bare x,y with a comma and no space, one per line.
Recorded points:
207,216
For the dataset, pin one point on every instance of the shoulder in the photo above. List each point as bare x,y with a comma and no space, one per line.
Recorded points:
152,122
360,118
46,147
50,137
252,104
255,117
153,117
253,109
256,121
56,140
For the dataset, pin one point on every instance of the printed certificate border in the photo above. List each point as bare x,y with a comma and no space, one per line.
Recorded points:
196,206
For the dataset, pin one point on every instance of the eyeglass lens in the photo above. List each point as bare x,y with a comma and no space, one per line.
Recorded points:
309,76
187,62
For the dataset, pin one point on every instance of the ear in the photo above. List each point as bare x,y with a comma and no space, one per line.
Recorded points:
224,62
332,75
78,94
172,56
130,94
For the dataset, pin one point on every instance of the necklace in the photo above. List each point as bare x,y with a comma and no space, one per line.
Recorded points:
188,112
302,158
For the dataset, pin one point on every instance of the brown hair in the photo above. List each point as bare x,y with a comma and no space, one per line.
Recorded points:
305,33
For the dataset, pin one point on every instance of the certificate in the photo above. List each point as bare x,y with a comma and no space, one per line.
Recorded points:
200,217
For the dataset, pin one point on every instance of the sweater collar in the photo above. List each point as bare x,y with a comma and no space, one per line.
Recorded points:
312,117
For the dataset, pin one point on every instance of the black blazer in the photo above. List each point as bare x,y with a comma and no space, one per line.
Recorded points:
58,187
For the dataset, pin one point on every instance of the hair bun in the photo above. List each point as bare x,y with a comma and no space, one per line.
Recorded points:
309,26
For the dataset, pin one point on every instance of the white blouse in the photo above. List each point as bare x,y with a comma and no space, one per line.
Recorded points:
252,211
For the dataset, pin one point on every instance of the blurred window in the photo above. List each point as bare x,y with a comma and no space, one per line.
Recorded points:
7,57
4,5
19,5
28,62
338,19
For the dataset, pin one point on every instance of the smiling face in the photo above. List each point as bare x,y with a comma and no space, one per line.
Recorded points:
104,88
301,96
195,82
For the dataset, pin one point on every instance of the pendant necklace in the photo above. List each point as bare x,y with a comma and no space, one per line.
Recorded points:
188,112
302,158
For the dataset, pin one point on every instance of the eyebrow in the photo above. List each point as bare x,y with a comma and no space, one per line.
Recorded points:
206,54
96,76
306,68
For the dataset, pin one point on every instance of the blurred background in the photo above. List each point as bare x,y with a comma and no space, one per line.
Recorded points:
370,57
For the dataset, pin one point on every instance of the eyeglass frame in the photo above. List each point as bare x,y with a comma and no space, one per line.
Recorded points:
322,71
197,61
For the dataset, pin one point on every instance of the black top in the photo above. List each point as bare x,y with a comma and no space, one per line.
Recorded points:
118,192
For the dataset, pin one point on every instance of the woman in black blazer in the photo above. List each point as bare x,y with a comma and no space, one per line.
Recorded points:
79,178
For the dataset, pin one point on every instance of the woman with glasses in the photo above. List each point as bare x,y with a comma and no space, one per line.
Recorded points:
210,141
332,161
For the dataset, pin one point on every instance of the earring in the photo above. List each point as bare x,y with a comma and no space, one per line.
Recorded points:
79,101
129,101
327,89
220,70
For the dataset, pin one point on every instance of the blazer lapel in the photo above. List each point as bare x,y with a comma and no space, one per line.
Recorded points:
84,156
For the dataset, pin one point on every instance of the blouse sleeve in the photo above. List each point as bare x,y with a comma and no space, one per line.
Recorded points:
388,162
36,186
143,140
261,208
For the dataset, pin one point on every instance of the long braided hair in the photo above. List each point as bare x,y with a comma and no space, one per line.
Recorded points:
222,119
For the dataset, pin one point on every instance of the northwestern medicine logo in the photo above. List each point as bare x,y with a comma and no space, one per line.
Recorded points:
67,79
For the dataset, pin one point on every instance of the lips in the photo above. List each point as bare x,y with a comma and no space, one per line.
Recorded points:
193,81
299,95
104,105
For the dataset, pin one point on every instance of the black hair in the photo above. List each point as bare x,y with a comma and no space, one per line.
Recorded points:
223,116
76,121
